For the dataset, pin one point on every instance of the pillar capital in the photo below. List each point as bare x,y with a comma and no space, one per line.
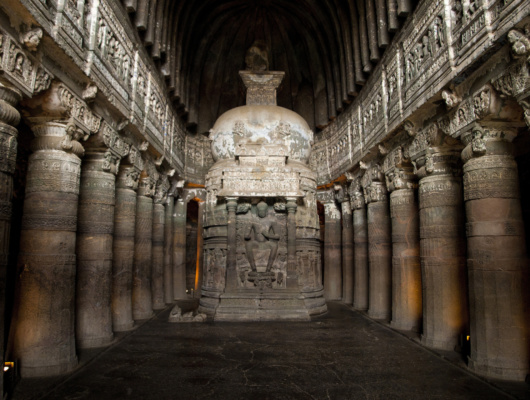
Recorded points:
291,205
432,152
326,196
355,192
231,204
398,170
162,190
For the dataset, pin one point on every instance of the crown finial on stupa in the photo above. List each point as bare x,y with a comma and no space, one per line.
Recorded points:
260,82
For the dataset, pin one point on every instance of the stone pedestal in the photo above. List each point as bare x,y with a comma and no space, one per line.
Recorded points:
379,253
94,252
123,248
158,257
168,251
179,250
44,339
360,243
142,303
332,252
347,247
406,269
9,118
497,260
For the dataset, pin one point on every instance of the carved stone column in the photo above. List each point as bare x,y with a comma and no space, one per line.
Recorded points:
142,302
442,246
347,244
168,250
123,246
292,275
94,251
157,275
200,248
179,249
360,243
9,118
231,257
406,269
332,247
95,237
497,261
379,244
44,339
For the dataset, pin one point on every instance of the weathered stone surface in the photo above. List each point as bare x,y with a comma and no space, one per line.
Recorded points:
360,242
347,245
332,251
142,302
123,248
94,251
168,250
44,339
496,257
179,250
442,252
406,269
9,119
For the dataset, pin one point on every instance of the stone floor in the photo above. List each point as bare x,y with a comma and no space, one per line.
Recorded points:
342,355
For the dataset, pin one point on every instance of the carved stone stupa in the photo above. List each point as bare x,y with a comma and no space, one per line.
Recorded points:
261,230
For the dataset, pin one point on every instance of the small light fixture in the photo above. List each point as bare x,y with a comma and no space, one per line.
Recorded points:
8,364
467,338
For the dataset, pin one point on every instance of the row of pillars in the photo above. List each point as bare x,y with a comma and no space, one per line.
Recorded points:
100,248
405,258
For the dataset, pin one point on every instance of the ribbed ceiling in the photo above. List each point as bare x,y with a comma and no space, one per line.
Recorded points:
327,49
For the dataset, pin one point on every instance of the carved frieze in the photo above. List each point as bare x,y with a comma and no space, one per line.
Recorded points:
20,66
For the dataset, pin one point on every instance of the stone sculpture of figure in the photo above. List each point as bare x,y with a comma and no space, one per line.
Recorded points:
265,236
257,58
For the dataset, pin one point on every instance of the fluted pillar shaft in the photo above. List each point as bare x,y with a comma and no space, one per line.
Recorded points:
142,302
360,243
168,251
179,250
496,257
94,252
158,257
332,252
44,339
379,252
9,118
123,248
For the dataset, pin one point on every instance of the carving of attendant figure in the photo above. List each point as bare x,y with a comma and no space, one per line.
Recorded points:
264,237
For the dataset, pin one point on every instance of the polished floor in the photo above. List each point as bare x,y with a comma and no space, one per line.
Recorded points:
342,355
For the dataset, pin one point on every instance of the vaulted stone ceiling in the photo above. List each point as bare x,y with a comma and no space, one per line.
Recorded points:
327,49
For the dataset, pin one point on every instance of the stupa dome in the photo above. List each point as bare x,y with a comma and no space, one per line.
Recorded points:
261,124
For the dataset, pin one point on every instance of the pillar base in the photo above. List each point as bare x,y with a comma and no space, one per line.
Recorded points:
378,315
158,307
48,370
92,343
512,374
142,316
404,326
124,327
438,344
